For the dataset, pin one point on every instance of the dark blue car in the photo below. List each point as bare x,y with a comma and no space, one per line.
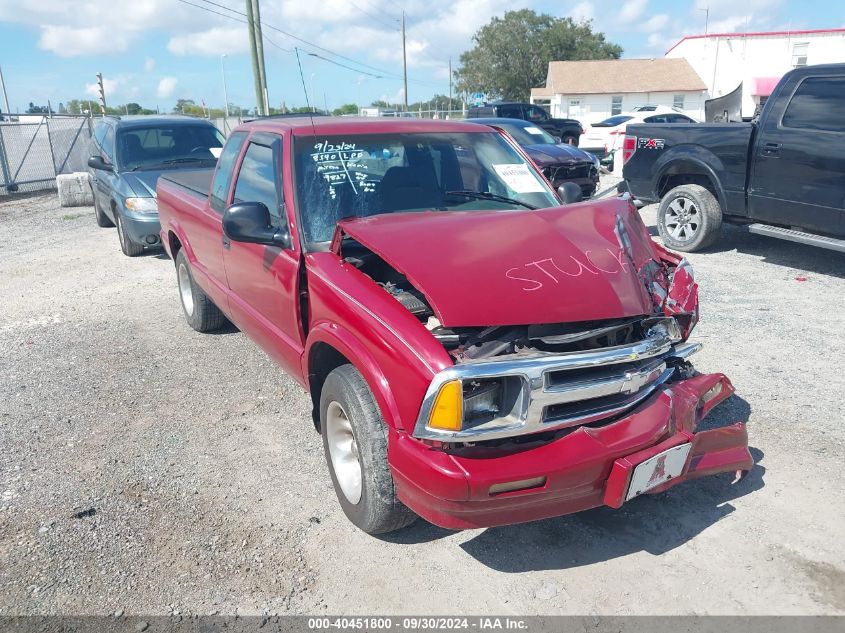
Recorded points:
128,154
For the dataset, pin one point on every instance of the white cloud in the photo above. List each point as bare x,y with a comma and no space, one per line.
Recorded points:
656,40
212,42
111,86
583,11
655,23
149,64
66,41
631,10
166,87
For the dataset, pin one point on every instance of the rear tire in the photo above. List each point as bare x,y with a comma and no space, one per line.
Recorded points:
129,248
689,218
200,311
355,444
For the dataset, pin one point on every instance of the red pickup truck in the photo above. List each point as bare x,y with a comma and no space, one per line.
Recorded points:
476,353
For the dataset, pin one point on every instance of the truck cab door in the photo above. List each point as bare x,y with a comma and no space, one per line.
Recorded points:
264,280
798,159
205,224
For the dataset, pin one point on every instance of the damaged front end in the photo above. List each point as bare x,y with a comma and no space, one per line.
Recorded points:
510,381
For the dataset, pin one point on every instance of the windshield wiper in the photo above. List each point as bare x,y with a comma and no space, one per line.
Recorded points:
173,161
486,195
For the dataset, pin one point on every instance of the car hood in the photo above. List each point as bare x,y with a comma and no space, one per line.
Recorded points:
142,183
483,268
547,154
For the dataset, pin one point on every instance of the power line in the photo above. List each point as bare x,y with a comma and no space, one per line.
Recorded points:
392,27
331,61
385,74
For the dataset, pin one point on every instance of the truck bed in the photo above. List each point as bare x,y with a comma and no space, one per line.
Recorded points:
196,181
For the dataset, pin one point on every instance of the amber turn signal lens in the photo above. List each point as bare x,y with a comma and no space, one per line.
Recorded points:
447,413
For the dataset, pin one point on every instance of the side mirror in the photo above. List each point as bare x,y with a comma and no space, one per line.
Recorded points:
569,192
97,162
558,139
250,222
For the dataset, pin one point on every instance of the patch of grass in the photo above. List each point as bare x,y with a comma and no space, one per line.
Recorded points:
72,216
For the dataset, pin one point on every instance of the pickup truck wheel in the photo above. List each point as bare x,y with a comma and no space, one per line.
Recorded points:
355,444
129,248
689,218
200,311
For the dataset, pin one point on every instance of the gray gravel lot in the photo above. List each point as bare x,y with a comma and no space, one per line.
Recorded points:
150,469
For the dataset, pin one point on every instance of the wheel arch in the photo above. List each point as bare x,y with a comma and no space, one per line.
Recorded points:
328,347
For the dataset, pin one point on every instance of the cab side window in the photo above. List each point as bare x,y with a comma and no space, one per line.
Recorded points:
817,104
258,180
223,175
535,114
510,112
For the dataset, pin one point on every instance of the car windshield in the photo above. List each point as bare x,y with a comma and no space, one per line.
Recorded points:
357,176
164,146
528,134
613,121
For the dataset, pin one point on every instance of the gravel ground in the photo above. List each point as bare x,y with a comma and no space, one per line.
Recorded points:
153,470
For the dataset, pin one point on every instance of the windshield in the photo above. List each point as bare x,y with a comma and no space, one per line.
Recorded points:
364,175
613,121
528,134
163,146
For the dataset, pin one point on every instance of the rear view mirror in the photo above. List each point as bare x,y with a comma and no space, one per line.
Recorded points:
569,192
97,162
250,222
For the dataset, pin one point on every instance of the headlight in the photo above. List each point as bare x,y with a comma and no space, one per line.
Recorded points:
596,162
474,403
142,205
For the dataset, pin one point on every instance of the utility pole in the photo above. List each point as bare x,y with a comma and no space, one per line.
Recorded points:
5,96
259,45
404,61
225,90
256,69
450,83
707,19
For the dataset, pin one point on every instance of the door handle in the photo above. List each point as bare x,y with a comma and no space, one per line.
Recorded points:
771,149
226,242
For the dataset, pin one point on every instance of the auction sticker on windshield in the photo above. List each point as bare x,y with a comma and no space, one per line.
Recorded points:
519,178
534,130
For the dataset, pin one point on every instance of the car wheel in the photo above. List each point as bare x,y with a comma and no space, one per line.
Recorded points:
689,218
200,312
102,219
355,444
129,248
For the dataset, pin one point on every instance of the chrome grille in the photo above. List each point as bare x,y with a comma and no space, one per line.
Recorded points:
564,390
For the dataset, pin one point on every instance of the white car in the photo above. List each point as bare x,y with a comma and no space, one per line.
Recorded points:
605,137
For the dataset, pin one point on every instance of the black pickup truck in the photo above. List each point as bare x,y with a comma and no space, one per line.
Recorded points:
781,175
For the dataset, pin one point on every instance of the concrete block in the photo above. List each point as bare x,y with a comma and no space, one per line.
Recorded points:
74,190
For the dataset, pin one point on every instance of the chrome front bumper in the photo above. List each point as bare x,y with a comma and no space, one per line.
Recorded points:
558,391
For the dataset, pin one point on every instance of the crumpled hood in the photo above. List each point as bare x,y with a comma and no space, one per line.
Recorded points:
483,268
547,154
142,183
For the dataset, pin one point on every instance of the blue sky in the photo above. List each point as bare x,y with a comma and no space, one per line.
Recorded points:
156,51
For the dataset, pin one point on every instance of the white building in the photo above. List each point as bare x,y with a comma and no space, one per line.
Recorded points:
756,60
593,90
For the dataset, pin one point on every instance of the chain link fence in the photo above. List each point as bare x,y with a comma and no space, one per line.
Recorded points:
35,149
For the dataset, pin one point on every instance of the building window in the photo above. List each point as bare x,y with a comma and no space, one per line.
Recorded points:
574,107
615,105
678,102
799,54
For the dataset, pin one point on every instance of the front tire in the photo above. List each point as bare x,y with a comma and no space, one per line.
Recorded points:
355,444
689,218
200,311
129,248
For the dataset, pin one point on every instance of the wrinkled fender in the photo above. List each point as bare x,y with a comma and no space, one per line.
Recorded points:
700,156
176,228
345,342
